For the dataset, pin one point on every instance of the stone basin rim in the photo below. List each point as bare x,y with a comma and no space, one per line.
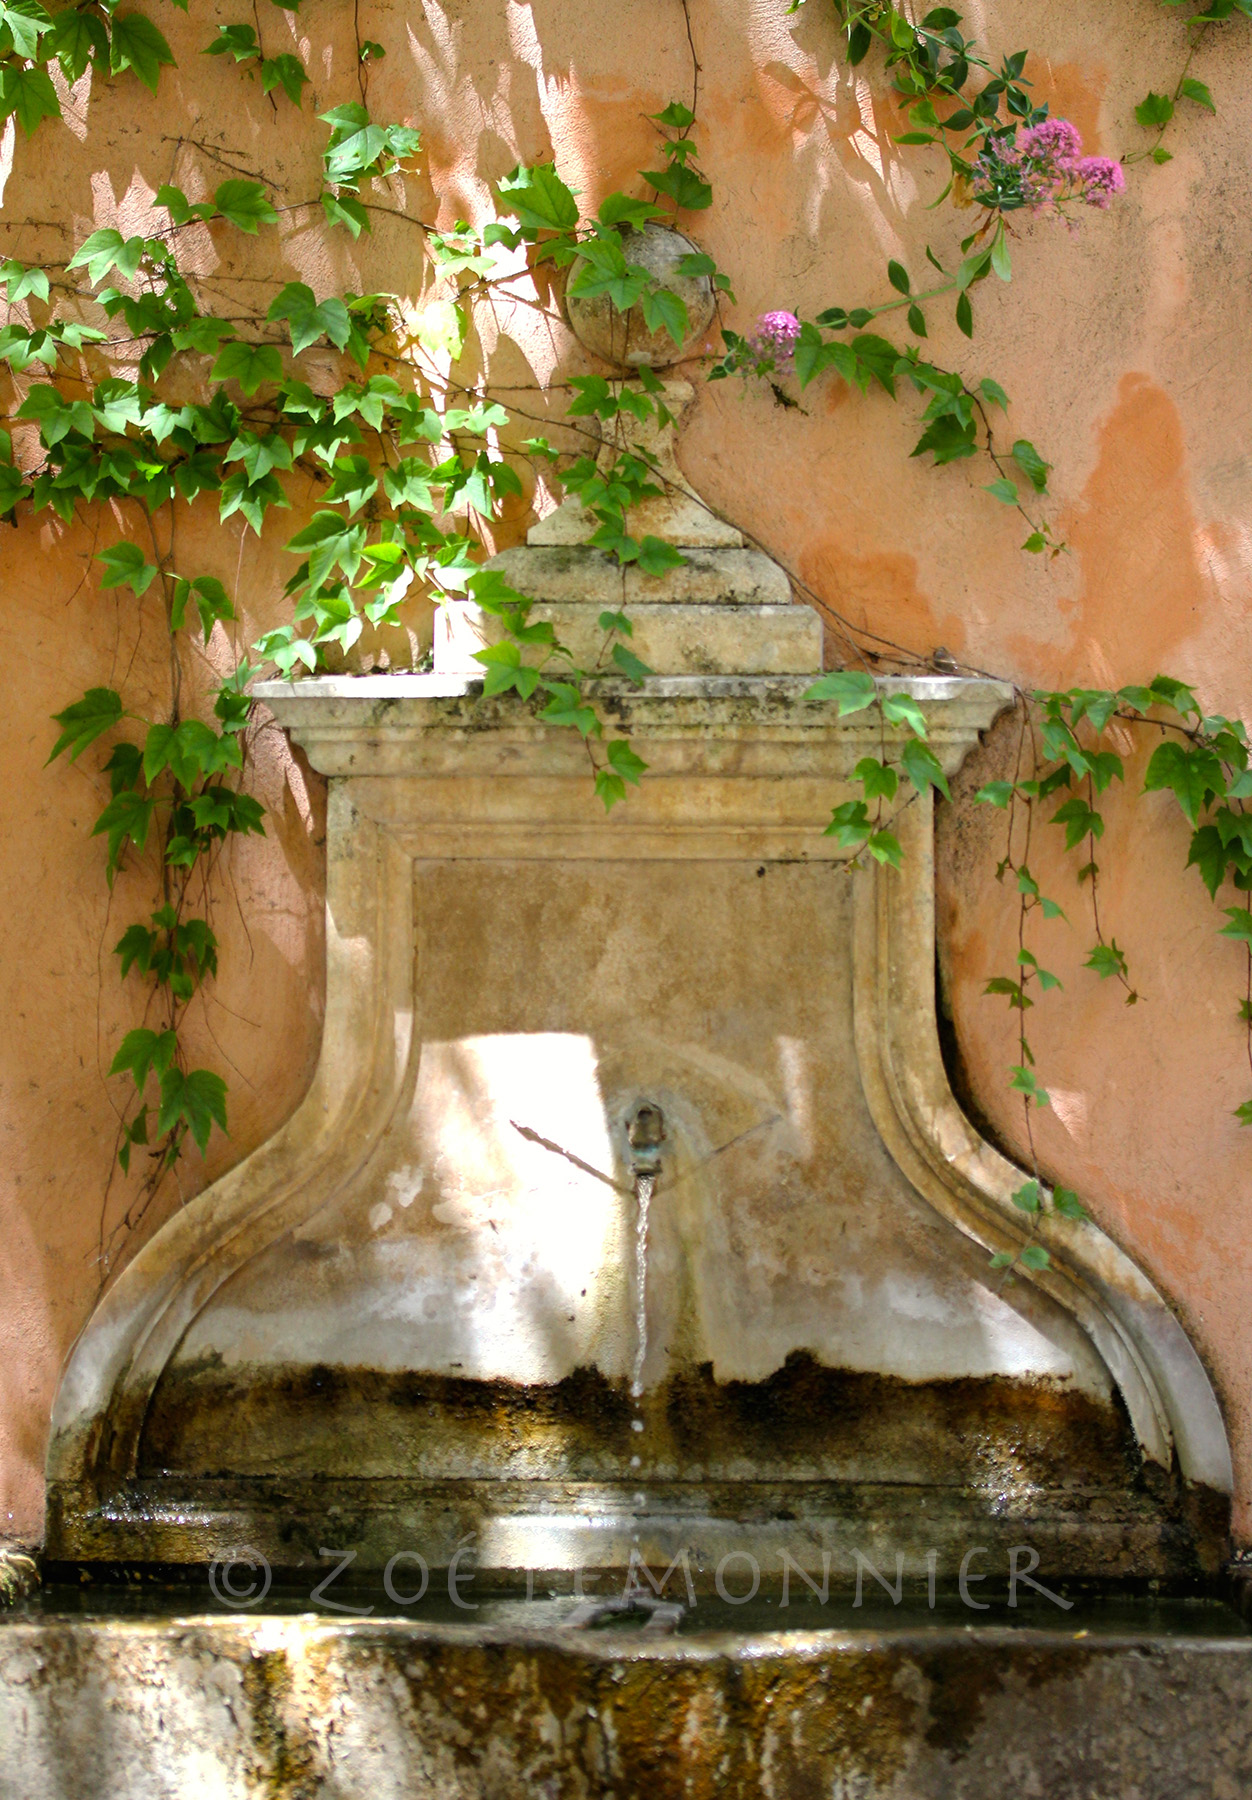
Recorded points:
610,1644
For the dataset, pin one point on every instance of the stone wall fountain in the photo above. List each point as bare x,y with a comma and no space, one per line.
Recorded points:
630,1219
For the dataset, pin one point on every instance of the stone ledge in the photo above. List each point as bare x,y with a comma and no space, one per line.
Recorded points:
126,1709
426,724
699,639
577,573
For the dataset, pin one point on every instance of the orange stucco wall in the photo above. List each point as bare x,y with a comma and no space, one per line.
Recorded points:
1123,348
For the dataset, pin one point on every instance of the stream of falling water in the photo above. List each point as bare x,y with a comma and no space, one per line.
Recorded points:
644,1185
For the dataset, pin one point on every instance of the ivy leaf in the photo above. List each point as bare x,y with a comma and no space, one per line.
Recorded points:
238,41
125,567
307,319
924,769
620,209
676,116
136,44
355,142
440,328
852,688
506,670
665,310
82,723
331,543
1079,821
127,816
688,190
630,665
567,707
135,947
19,281
1031,465
1066,1202
656,556
1107,960
1239,923
1023,1081
205,335
539,197
1034,1256
902,709
195,750
30,95
76,38
1019,1000
249,365
105,250
1196,90
408,484
259,454
610,788
210,599
286,72
1026,1199
12,487
354,483
342,209
245,204
995,793
1208,854
197,1100
949,439
142,1051
1244,1113
124,766
878,779
1154,110
1193,776
1003,489
625,762
26,22
493,593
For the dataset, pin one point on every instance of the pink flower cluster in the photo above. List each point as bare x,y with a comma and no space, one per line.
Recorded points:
1042,167
775,339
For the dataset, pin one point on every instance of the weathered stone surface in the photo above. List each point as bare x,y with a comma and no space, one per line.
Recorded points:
677,513
511,975
709,639
721,576
308,1709
624,338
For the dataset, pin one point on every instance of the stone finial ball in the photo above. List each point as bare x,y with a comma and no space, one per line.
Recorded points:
624,338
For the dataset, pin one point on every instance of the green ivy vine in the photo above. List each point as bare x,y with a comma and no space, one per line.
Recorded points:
413,466
1005,155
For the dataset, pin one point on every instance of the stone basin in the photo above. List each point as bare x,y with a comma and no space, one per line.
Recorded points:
1144,1698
